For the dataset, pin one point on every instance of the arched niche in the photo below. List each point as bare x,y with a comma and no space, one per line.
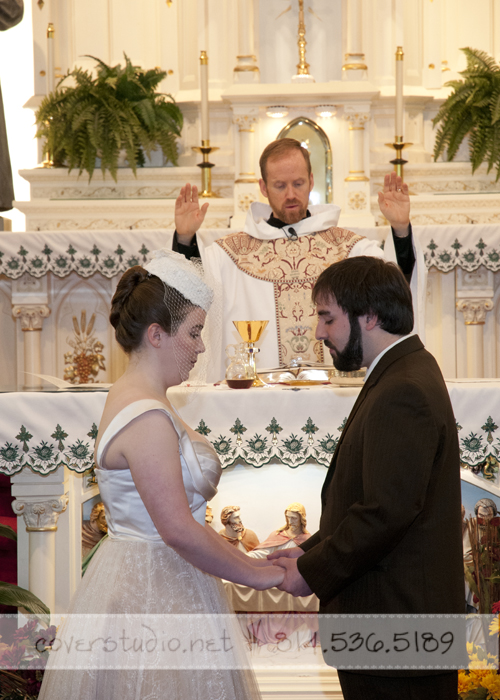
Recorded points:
312,137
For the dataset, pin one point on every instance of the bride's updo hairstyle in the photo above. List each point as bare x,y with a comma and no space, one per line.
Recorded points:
138,302
164,291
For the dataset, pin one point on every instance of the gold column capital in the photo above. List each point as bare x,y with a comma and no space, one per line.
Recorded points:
474,310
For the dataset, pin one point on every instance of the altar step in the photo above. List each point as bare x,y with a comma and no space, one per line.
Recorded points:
442,193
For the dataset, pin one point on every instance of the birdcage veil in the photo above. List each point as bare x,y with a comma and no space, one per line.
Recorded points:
188,298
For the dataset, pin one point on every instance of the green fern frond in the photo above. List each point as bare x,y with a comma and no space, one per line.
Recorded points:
473,109
480,60
117,110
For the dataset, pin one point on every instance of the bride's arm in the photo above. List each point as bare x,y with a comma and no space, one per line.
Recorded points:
150,446
238,552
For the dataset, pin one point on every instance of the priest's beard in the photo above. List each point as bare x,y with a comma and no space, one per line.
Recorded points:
350,358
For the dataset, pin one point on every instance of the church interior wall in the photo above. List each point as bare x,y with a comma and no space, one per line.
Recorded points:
170,35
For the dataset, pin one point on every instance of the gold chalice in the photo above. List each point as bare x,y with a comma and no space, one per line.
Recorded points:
250,332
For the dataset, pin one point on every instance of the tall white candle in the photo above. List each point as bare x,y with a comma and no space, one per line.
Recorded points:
399,91
205,133
50,58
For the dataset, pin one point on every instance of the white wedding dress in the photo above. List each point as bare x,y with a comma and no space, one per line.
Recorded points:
135,572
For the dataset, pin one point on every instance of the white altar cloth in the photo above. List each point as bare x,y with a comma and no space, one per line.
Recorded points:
44,430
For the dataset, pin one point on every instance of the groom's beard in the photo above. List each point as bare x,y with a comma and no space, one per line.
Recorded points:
350,358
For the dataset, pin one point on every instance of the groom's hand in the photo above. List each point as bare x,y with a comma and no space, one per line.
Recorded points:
293,582
292,553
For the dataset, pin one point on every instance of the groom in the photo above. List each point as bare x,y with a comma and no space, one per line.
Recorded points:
390,537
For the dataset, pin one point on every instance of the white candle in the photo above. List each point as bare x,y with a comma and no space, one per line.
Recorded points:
399,91
50,58
205,133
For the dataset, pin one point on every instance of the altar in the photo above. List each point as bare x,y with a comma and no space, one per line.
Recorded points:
274,444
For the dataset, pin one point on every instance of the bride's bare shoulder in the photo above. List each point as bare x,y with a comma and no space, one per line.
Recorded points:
119,397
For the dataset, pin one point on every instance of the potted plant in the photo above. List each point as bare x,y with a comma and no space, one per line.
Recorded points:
23,659
118,110
473,110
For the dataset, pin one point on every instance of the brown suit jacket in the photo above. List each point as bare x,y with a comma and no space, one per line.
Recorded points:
390,532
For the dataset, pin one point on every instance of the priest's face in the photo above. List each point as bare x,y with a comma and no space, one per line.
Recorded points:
341,336
287,186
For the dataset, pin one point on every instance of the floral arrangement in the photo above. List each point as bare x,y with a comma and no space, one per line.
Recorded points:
481,681
23,661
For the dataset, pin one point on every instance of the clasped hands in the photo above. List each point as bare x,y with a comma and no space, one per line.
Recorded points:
293,582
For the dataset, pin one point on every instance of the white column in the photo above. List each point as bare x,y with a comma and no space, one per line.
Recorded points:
474,311
40,517
246,69
246,184
356,209
356,116
354,61
246,132
31,317
474,297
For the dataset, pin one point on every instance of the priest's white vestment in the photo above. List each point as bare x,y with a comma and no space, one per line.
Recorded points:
263,274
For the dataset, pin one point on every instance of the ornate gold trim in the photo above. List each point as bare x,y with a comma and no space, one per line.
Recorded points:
357,178
245,69
52,528
203,58
354,66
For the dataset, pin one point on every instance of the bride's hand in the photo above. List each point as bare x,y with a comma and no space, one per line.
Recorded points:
268,577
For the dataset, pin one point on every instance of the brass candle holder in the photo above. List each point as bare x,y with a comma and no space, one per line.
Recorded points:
398,162
303,74
206,167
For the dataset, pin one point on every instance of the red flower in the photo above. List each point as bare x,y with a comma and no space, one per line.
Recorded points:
11,658
26,631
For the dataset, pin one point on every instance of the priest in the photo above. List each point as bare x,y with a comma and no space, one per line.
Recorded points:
267,271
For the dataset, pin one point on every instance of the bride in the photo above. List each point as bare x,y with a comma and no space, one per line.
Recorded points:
155,476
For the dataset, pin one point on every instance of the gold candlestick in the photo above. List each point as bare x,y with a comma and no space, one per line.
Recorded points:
302,65
398,161
303,75
206,167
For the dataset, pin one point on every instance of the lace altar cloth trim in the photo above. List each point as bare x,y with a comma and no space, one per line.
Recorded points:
111,252
293,267
42,431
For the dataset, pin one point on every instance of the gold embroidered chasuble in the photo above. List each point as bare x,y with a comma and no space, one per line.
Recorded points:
292,267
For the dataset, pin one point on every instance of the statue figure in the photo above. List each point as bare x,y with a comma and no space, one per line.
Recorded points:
93,530
209,515
234,531
485,509
292,534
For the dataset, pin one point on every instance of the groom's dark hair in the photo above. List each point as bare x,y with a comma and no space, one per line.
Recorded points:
365,285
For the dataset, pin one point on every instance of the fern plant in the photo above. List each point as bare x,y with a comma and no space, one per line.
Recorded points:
473,109
98,117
